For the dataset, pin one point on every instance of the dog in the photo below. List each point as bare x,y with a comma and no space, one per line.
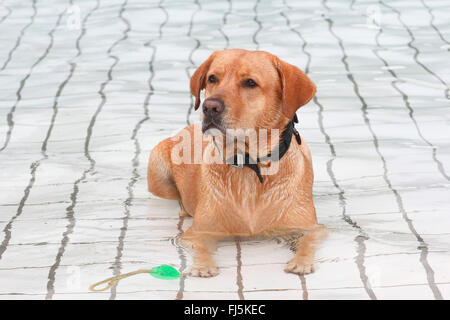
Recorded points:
244,90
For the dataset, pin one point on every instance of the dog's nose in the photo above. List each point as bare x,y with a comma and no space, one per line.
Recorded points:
213,107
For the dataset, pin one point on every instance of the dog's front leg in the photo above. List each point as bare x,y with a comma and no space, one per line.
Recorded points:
201,247
303,261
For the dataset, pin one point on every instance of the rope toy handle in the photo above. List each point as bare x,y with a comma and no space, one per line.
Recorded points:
164,271
111,281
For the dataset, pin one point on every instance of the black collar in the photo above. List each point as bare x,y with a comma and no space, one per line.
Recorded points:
241,161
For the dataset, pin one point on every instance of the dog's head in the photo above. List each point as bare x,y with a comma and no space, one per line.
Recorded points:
249,90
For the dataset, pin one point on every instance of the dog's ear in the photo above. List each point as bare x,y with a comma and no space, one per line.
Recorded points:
297,88
198,82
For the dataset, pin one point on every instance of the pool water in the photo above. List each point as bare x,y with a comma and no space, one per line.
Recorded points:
88,88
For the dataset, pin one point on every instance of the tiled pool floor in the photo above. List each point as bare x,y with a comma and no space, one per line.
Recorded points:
87,89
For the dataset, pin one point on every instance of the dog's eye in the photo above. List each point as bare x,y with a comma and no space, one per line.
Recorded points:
250,83
212,79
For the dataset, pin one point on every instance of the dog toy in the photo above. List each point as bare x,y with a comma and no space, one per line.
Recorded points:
164,271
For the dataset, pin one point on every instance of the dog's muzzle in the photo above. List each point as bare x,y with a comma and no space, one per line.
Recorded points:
213,109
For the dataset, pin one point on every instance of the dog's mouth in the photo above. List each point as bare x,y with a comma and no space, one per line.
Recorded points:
211,127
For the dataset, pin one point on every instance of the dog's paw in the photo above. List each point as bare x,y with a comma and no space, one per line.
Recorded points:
300,266
203,271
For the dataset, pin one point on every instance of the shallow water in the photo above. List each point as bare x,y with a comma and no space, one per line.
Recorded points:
86,93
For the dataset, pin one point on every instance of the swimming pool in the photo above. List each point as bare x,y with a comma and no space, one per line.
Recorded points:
89,87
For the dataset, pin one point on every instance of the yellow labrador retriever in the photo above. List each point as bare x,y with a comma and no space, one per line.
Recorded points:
242,190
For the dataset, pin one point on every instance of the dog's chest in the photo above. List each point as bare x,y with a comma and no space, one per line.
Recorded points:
248,206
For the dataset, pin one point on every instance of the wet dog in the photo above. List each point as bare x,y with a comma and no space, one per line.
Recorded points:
242,190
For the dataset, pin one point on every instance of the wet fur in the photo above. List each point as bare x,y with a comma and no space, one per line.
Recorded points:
225,201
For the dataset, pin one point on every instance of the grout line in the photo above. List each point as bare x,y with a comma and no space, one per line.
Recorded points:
10,115
224,291
239,279
70,211
405,98
224,22
430,12
19,38
308,55
181,255
362,236
417,51
423,247
226,267
6,15
197,45
305,295
35,165
135,161
255,10
117,265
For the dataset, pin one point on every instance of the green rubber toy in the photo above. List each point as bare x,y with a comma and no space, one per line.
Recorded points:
165,272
